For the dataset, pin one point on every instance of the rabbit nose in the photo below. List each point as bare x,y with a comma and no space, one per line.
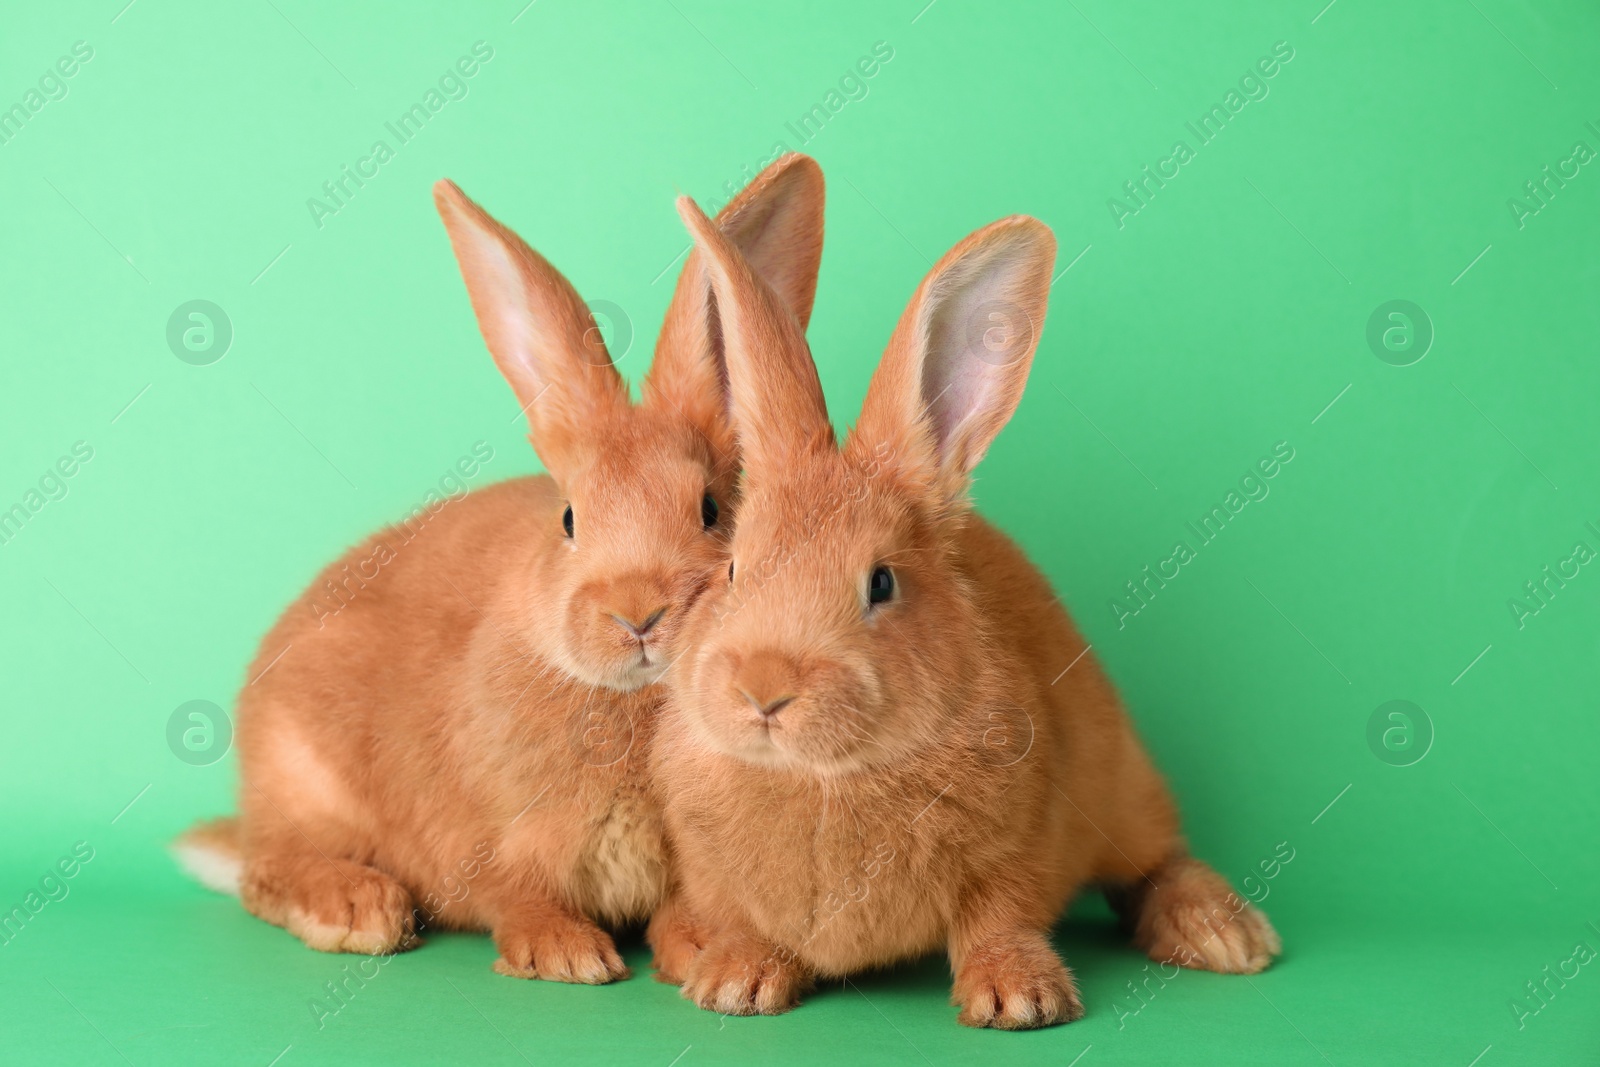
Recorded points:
768,681
639,629
767,708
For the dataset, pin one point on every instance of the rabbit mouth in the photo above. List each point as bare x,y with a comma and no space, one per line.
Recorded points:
777,745
642,669
648,665
763,749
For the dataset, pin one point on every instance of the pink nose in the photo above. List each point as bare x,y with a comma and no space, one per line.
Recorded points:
639,629
768,681
767,708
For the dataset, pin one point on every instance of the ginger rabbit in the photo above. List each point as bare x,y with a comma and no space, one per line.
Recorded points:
467,736
872,750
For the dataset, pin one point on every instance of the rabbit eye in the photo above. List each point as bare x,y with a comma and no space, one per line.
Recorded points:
566,520
708,511
880,587
730,571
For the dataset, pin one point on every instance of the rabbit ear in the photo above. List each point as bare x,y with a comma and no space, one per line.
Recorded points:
776,399
538,329
955,367
776,224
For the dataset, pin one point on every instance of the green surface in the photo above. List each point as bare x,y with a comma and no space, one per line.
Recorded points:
1221,318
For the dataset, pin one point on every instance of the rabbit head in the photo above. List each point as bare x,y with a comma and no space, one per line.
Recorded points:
841,636
645,489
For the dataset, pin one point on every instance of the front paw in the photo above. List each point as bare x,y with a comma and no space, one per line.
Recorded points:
1015,983
557,947
741,975
675,940
1193,918
332,905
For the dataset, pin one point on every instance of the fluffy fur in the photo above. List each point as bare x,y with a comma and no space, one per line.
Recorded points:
848,784
465,740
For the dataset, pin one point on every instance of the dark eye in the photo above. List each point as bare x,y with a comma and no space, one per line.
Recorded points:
730,570
566,520
880,587
708,511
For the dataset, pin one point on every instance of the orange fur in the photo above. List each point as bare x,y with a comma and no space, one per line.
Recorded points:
848,784
467,736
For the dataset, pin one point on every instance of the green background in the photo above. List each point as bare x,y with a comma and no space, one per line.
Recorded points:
1222,318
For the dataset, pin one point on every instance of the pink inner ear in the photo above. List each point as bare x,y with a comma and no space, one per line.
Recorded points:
976,336
513,321
717,345
502,300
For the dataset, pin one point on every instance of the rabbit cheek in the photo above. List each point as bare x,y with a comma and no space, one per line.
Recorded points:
719,716
838,729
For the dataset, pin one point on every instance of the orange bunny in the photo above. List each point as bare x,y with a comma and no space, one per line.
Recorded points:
468,734
872,750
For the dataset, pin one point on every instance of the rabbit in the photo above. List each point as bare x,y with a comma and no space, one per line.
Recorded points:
872,750
466,739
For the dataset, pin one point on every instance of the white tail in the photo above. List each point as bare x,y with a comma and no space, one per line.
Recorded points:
209,853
